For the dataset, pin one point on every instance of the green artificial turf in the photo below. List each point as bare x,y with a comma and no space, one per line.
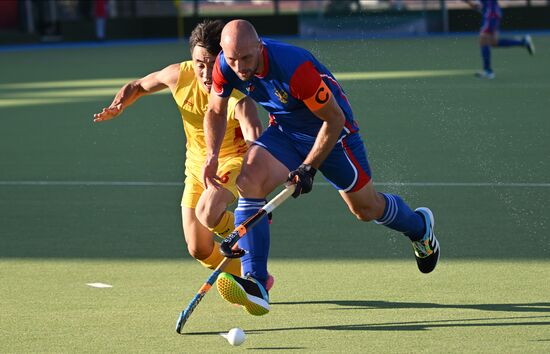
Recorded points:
83,202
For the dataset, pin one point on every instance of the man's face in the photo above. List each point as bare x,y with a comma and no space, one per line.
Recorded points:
203,63
243,60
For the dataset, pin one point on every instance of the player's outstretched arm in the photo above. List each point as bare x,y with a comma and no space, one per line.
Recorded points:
133,90
247,115
215,124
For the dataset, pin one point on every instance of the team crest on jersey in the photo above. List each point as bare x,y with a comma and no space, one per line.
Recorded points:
282,96
250,88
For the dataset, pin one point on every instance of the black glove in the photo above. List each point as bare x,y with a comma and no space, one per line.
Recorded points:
303,178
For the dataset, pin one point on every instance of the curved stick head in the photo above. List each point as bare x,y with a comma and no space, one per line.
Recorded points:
181,322
227,251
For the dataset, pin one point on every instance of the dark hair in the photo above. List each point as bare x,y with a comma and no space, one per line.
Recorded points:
207,34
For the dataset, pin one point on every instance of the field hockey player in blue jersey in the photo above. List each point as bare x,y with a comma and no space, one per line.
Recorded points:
489,37
311,130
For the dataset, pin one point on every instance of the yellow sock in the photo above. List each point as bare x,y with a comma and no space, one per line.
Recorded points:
212,261
226,225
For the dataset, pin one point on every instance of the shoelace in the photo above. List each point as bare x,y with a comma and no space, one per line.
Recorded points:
422,248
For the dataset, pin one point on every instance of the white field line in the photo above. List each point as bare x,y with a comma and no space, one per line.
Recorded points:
320,184
99,285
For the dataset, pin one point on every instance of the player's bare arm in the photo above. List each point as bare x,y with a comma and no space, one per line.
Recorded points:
334,119
247,115
215,124
325,107
133,90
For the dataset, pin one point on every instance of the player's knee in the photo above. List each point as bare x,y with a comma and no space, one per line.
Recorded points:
200,213
197,252
247,185
206,217
206,211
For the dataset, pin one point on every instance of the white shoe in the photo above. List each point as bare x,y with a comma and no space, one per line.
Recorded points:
485,74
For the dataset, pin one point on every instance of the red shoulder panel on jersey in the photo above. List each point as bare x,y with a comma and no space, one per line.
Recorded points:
305,81
218,80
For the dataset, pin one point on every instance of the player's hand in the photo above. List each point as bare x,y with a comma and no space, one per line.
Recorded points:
108,113
303,178
209,176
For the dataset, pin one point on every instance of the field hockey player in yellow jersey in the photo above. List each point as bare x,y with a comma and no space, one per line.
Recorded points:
203,210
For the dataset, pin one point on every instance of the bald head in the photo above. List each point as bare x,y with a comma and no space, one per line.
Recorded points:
242,48
239,33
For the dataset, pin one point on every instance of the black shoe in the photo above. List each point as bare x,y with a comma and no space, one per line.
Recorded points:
427,249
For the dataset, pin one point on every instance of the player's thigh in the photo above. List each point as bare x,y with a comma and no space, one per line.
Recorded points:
490,39
261,173
193,187
198,238
213,202
488,34
347,167
366,203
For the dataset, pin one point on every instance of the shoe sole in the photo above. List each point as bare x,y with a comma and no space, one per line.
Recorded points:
437,249
233,292
484,76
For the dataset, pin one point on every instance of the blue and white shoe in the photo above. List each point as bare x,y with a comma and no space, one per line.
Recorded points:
529,44
426,250
248,293
485,74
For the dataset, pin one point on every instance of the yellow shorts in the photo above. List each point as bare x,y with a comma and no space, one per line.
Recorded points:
228,169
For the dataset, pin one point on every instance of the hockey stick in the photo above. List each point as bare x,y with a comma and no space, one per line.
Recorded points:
230,253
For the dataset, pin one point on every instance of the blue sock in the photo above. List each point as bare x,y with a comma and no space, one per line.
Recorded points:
398,216
256,240
486,55
507,42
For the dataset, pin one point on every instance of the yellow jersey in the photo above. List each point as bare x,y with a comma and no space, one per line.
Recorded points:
192,102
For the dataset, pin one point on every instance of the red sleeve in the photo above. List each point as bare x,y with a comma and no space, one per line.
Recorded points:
219,83
305,81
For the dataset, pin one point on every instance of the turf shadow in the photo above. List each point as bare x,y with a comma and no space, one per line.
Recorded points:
411,325
368,304
277,348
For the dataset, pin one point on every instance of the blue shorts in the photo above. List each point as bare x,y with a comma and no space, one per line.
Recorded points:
346,167
490,25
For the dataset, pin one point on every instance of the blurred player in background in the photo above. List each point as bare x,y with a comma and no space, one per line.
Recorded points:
100,15
311,128
203,211
488,35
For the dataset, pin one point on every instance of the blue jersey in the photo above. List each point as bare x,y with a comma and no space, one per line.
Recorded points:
490,9
290,76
